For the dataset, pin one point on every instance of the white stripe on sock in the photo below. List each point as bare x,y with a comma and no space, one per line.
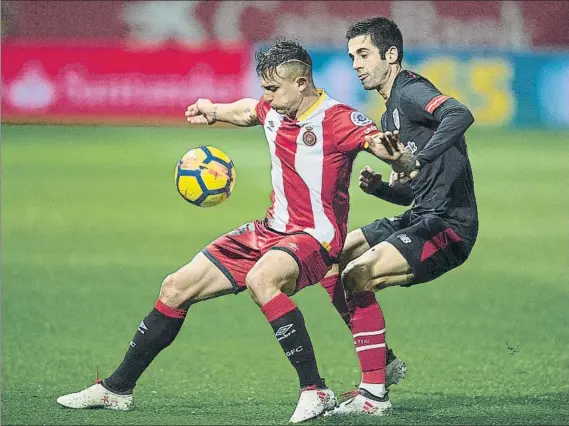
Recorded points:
365,348
369,333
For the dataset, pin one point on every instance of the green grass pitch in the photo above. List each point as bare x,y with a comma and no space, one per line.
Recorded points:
92,223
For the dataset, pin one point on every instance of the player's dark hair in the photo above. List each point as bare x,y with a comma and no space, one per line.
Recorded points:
384,33
284,52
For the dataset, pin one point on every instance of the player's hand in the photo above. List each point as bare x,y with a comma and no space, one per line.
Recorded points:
369,180
402,177
201,112
386,146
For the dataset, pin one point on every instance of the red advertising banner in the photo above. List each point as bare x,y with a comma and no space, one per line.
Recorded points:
429,24
93,82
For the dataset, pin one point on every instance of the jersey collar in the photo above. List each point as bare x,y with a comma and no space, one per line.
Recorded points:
314,106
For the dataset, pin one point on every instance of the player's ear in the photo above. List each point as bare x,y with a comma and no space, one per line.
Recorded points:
301,83
392,55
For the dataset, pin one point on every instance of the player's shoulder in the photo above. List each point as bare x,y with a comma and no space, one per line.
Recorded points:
342,113
410,80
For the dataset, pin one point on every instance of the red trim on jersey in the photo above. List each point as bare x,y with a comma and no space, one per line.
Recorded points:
439,242
435,103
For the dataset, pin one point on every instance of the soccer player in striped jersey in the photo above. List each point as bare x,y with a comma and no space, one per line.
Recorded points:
424,134
313,140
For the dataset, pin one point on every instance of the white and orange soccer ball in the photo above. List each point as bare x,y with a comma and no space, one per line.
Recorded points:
205,176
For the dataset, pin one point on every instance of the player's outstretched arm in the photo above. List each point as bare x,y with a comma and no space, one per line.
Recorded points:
239,113
371,182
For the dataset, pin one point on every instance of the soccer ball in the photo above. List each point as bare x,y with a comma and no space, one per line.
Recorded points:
205,176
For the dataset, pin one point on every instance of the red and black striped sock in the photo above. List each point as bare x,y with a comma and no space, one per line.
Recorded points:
288,324
155,333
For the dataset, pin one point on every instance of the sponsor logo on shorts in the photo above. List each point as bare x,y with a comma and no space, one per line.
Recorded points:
248,227
292,246
284,332
404,238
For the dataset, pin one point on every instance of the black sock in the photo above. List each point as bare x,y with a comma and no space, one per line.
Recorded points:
154,333
291,333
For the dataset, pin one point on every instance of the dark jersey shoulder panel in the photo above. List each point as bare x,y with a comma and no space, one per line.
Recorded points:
432,125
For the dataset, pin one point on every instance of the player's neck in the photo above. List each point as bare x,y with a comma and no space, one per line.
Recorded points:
385,91
307,102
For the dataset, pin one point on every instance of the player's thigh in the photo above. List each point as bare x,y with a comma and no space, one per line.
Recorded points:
275,271
431,246
198,280
356,244
379,267
289,264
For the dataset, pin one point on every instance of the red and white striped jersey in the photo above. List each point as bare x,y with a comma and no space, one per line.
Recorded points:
311,165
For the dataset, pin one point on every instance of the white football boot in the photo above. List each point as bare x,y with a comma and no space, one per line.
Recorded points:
361,401
395,371
97,396
312,403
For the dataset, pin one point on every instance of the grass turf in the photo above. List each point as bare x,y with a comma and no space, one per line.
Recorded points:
91,224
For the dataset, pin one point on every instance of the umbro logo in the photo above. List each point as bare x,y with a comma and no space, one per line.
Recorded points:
285,331
282,331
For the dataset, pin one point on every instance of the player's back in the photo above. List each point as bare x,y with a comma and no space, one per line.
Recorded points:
311,165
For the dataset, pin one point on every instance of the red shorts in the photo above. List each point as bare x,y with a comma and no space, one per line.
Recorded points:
237,252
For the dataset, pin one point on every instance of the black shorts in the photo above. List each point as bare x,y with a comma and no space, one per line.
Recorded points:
428,243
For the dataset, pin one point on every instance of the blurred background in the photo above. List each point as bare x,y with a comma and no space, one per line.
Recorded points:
93,101
102,61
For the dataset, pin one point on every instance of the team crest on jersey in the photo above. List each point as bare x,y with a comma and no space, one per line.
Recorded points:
396,118
359,119
309,138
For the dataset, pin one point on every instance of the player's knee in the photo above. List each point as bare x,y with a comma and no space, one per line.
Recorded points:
355,276
261,289
175,291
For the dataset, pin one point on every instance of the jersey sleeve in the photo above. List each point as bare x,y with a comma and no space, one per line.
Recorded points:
420,100
350,129
262,109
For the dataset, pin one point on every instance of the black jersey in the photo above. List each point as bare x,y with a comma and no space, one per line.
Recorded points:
432,127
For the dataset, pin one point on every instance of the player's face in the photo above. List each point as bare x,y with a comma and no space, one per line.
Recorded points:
283,94
372,71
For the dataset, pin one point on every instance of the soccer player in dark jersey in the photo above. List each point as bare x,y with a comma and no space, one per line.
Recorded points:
423,137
